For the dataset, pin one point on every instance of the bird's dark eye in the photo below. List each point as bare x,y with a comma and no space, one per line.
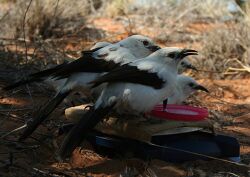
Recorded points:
191,84
145,43
172,54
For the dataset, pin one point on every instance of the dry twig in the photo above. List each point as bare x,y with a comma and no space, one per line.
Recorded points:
23,26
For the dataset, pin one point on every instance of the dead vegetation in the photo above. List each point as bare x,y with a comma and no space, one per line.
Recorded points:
45,19
226,51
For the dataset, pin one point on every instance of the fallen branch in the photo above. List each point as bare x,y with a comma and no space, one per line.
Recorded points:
232,70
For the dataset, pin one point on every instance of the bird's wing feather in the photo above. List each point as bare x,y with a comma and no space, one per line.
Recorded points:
90,52
85,64
42,114
36,77
48,72
81,128
130,74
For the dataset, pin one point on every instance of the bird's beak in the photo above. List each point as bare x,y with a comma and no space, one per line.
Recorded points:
200,87
153,48
186,52
189,66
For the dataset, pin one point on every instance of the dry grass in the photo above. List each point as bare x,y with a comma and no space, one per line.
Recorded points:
45,18
47,24
114,8
167,20
226,50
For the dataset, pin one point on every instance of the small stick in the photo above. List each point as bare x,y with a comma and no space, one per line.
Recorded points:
11,110
7,116
23,26
13,131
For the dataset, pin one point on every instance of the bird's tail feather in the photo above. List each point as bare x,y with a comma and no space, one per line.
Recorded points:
36,77
43,114
49,72
65,128
19,83
80,130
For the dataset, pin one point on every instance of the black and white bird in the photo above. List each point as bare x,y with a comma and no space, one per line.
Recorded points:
182,66
84,70
184,88
77,96
135,87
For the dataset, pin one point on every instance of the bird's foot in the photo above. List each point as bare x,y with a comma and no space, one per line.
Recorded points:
165,102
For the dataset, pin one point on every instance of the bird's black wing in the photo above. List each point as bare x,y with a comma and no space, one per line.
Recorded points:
90,52
131,74
85,64
48,72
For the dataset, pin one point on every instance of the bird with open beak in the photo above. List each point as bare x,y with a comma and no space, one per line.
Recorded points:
184,65
84,70
137,86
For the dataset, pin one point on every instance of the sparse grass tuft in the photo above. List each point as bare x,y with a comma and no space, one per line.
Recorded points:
45,18
226,50
116,8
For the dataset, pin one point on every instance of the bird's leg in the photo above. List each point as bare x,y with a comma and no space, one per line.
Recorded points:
165,102
146,116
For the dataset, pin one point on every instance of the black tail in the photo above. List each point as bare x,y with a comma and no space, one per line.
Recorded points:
17,84
49,72
43,114
78,133
36,77
65,128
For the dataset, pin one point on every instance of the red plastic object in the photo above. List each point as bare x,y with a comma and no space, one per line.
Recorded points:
180,113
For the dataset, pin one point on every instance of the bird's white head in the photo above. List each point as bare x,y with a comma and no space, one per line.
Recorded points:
172,55
188,85
140,46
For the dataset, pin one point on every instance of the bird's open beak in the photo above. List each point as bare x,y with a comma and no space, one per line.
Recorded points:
200,87
189,66
153,48
186,52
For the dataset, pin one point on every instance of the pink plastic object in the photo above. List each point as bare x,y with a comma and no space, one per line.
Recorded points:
180,113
